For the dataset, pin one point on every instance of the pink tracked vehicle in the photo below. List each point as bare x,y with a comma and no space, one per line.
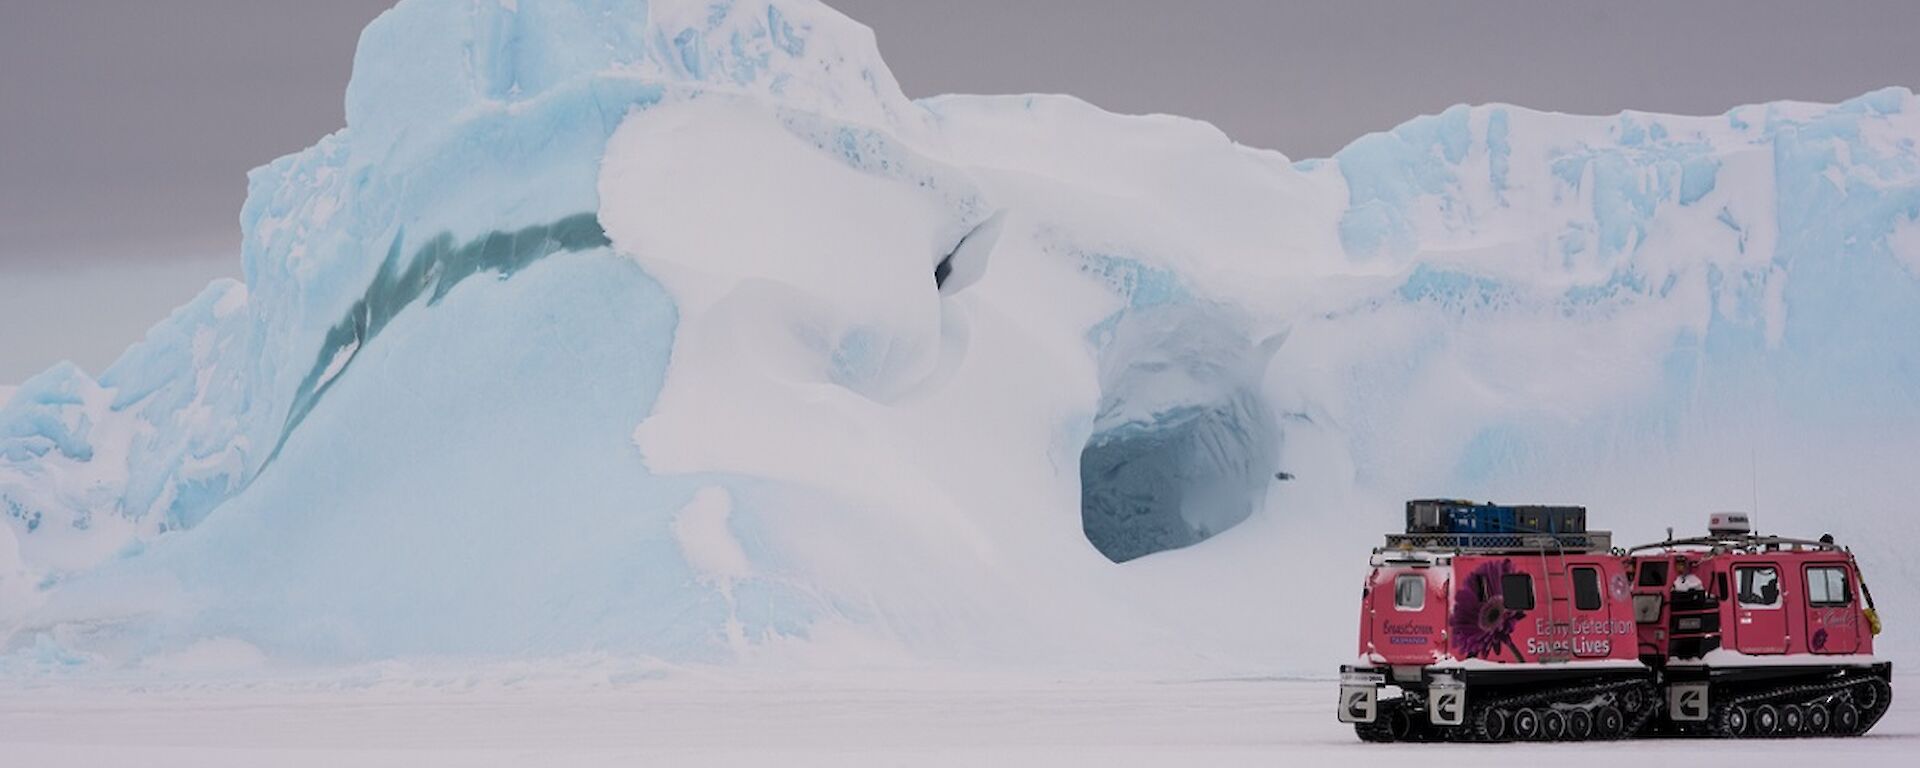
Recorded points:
1497,623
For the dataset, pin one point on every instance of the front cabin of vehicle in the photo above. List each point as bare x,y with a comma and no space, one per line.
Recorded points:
1759,635
1790,600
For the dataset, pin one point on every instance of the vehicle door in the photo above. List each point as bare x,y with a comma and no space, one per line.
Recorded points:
1650,587
1760,608
1833,612
1408,607
1592,628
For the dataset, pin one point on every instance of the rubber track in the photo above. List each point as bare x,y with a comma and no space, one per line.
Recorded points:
1475,729
1804,695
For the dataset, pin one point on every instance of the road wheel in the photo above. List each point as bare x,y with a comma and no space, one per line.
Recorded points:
1633,699
1846,719
1494,724
1792,719
1526,724
1553,724
1609,722
1818,719
1580,724
1734,722
1766,720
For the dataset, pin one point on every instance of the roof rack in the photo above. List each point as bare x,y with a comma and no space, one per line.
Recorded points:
1745,542
1479,543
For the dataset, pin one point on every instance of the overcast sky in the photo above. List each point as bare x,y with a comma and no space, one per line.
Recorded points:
127,126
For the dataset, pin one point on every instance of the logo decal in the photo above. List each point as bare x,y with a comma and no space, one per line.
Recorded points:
1357,704
1447,704
1689,701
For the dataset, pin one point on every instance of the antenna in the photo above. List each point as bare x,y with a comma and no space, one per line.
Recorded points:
1753,471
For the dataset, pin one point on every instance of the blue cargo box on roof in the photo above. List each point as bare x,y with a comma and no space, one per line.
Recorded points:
1486,518
1457,516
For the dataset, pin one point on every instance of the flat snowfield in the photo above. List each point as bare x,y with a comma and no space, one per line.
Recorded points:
1262,722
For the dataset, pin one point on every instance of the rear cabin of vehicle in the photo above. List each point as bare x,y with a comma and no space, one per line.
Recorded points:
1493,622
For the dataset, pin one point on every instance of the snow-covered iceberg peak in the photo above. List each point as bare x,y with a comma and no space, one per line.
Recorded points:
425,64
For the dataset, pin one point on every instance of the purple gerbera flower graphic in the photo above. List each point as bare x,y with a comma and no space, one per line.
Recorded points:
1481,624
1819,639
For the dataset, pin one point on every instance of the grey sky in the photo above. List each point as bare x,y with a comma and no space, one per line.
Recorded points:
127,126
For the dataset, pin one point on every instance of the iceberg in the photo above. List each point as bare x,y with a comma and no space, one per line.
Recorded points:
675,330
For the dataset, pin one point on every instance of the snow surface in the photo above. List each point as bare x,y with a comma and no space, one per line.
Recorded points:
1252,722
619,327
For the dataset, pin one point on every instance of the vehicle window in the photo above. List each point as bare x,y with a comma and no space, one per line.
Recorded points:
1646,608
1586,589
1410,592
1653,573
1759,586
1516,591
1827,586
